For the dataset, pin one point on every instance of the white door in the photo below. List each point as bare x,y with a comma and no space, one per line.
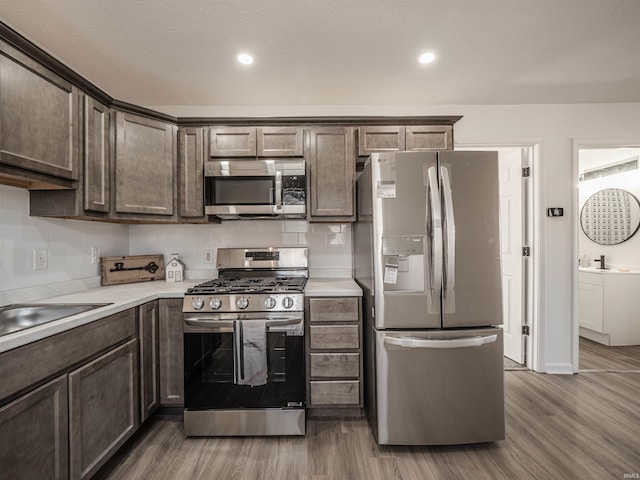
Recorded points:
512,228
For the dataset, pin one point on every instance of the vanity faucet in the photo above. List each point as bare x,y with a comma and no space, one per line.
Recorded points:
602,264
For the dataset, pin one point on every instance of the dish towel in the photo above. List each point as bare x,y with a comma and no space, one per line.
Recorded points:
250,352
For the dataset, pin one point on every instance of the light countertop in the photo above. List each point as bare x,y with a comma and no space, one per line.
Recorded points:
612,270
332,287
123,297
120,298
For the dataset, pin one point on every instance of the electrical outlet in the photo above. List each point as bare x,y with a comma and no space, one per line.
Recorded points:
95,255
208,256
40,259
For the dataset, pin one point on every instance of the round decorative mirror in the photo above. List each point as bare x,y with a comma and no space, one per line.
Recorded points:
610,216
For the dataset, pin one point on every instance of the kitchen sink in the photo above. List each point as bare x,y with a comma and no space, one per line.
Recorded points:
16,317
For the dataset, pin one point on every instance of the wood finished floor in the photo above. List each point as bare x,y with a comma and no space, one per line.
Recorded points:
581,426
595,356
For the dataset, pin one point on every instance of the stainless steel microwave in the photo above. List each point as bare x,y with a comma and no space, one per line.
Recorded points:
243,188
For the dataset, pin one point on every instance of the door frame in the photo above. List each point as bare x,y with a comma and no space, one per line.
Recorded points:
576,145
534,344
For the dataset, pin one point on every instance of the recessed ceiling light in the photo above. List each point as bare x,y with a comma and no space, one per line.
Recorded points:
245,59
427,57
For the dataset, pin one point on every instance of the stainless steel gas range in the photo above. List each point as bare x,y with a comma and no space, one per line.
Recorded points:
244,345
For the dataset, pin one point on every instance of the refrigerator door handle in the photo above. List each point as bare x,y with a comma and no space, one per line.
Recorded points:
449,277
436,228
413,342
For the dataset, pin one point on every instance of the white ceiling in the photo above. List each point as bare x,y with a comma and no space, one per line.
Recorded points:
162,53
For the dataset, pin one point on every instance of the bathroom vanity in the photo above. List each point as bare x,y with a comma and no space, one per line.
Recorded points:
609,305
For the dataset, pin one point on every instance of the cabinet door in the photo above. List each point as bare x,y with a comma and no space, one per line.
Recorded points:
171,352
280,142
591,306
96,156
380,139
331,174
191,172
149,369
38,117
34,434
232,142
103,408
145,165
425,138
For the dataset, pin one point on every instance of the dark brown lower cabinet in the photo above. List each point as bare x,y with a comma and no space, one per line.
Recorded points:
334,356
172,352
149,371
103,408
34,434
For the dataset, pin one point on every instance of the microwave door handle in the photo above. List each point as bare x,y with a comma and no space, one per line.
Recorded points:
278,192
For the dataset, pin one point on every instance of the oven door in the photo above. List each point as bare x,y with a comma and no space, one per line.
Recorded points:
237,188
213,362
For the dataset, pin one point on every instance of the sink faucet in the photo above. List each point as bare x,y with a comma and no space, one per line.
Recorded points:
602,264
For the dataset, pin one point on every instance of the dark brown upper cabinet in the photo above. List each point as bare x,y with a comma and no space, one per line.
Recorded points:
39,129
331,174
145,167
191,156
96,172
91,199
256,141
376,139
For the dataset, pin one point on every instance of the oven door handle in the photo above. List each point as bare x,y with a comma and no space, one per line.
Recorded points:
271,322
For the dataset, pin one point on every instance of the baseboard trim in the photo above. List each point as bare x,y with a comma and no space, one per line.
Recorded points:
559,369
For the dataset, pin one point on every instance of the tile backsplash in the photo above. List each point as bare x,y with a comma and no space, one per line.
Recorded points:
329,244
68,245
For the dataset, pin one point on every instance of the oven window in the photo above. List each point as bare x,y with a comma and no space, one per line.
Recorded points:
209,373
241,190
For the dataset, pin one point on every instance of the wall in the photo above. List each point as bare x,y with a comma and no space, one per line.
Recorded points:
626,254
329,244
68,243
554,127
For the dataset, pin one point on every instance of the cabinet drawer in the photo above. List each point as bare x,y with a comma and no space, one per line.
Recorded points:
334,309
335,393
334,336
334,364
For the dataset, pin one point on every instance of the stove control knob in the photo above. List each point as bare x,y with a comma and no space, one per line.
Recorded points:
269,303
287,302
197,303
242,303
215,303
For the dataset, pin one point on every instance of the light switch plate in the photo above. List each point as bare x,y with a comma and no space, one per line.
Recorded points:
95,255
40,259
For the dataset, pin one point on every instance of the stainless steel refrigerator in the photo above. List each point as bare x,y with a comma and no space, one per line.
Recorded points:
427,255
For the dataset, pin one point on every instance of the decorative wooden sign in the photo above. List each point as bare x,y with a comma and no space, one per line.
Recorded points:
131,269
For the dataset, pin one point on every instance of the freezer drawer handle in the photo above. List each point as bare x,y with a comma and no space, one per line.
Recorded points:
413,342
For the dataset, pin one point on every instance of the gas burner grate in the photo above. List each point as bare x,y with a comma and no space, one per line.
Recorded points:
250,285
